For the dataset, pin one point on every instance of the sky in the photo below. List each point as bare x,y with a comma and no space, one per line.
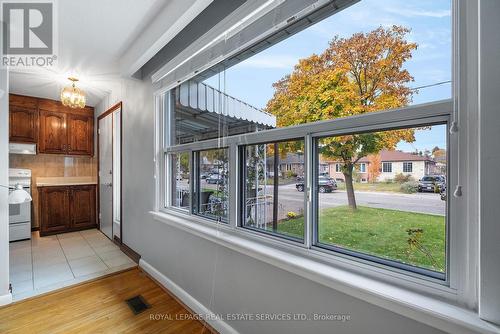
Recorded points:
430,24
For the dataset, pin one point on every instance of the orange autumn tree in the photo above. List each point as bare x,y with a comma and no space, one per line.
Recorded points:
374,167
356,75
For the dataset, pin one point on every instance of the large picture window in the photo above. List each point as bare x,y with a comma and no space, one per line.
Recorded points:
308,138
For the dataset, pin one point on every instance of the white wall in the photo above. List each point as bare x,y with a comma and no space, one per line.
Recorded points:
242,284
397,168
5,296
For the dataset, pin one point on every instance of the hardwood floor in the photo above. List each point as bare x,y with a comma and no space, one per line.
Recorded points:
99,307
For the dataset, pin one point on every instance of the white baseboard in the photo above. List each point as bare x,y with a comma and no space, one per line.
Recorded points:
5,299
218,324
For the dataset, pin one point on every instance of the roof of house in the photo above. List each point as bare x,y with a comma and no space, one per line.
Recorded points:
290,158
396,156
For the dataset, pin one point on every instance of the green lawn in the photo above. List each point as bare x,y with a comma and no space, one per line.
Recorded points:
377,186
380,232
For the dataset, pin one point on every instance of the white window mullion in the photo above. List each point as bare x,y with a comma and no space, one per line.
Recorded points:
308,181
234,174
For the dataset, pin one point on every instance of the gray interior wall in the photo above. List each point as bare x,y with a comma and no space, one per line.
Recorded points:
242,284
489,50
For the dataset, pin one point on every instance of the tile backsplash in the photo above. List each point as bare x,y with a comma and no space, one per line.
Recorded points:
47,165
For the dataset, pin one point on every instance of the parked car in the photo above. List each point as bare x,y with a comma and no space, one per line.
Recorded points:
431,183
215,179
325,185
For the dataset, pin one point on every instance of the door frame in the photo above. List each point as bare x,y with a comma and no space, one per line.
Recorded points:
113,108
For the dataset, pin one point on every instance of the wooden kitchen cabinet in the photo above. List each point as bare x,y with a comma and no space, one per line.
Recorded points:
53,133
54,210
23,120
80,135
82,207
67,208
55,128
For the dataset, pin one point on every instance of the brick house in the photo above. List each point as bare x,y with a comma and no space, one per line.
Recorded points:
391,164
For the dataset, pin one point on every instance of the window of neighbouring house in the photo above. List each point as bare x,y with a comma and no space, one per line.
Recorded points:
362,168
387,167
407,167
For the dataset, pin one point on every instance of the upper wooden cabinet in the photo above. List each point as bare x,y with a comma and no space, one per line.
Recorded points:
23,125
23,119
80,135
53,132
55,128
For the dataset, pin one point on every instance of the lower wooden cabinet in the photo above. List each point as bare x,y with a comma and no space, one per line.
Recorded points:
67,208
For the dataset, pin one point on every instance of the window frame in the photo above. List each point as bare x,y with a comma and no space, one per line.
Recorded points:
386,164
461,288
405,167
369,258
241,203
196,185
438,112
362,167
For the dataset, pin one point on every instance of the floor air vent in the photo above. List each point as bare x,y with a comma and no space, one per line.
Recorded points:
137,304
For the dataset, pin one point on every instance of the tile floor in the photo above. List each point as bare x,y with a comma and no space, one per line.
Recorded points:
43,264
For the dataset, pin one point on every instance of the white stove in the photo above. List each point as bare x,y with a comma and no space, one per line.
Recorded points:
20,214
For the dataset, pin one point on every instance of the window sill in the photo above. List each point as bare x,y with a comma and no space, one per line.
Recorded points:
432,311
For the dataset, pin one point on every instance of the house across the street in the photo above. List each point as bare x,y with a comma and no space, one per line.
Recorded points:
392,163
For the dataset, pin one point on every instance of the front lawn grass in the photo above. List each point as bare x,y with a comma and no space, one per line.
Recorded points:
376,186
379,232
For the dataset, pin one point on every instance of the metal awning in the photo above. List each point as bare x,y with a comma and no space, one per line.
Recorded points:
202,112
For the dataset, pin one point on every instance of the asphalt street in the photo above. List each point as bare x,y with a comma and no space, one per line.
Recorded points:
429,203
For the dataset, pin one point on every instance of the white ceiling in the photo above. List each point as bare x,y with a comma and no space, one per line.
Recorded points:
93,35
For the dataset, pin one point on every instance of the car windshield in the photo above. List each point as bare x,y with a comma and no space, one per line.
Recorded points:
428,178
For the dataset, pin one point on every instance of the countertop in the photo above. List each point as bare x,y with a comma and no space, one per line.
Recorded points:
65,181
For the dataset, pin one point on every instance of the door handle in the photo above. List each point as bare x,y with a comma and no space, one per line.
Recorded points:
109,184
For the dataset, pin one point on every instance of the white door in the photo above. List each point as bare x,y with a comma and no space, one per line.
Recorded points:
106,175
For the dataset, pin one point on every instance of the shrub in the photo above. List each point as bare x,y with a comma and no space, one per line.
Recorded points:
401,178
291,215
409,187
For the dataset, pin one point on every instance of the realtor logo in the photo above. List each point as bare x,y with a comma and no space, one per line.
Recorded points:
28,33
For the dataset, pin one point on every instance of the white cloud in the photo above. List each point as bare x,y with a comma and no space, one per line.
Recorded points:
414,12
275,61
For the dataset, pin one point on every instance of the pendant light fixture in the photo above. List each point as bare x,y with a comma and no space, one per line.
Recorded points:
73,96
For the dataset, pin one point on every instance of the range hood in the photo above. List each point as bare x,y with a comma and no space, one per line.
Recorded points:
18,148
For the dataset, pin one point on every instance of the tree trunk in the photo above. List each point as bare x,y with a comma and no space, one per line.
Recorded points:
351,199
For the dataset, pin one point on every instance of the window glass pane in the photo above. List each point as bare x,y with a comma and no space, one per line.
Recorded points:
181,192
350,63
213,184
395,215
273,188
